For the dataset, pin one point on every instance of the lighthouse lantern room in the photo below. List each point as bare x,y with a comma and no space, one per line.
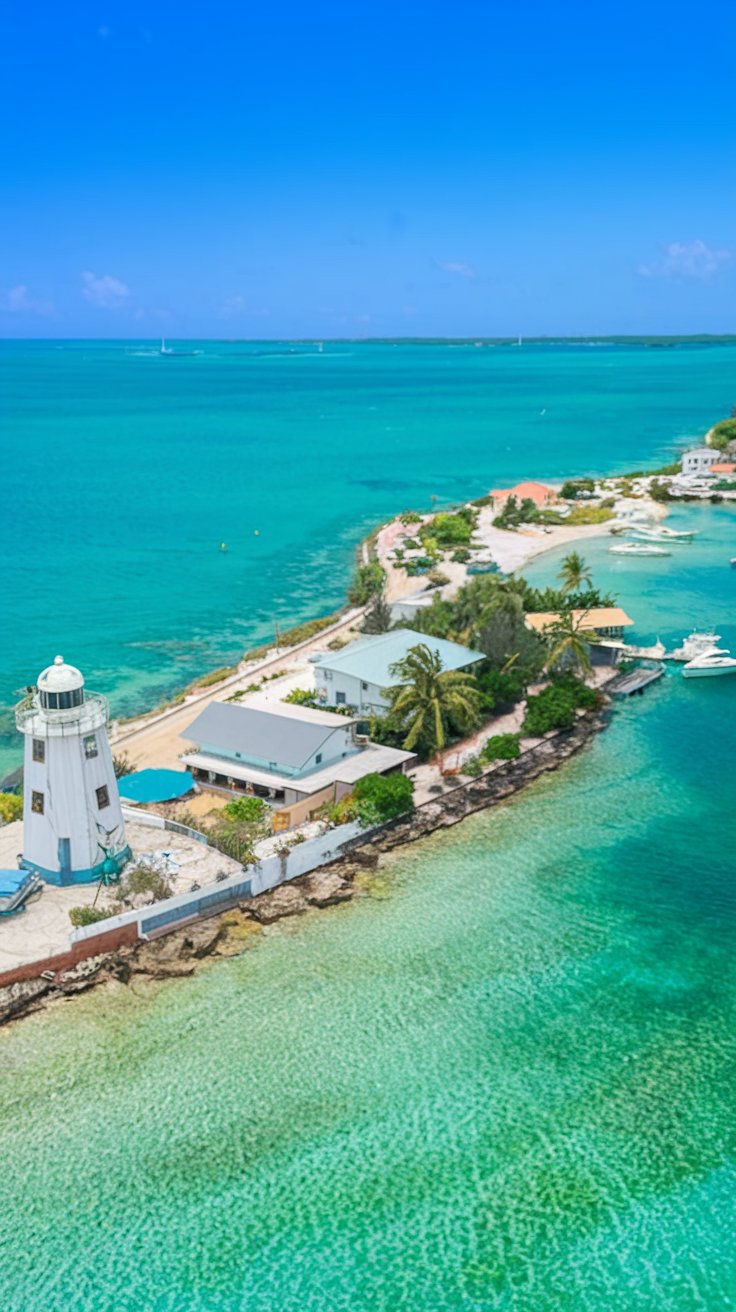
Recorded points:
73,828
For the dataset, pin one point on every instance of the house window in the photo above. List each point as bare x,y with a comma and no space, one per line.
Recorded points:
327,674
39,749
364,686
339,698
103,797
90,746
318,758
37,803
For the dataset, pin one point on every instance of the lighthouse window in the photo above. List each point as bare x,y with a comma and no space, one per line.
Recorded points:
39,749
90,746
62,701
37,803
103,797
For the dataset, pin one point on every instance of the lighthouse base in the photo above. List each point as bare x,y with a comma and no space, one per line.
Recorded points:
65,878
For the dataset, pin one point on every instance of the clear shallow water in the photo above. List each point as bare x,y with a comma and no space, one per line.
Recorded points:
125,470
506,1083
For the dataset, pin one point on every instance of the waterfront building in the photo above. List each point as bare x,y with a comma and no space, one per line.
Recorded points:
699,460
73,829
605,621
723,469
285,753
359,675
539,493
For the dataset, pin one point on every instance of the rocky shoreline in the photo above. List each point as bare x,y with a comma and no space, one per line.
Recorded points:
230,932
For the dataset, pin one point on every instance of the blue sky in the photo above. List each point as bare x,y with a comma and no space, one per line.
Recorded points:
357,169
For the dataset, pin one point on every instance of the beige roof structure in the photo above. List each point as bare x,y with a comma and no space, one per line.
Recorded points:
595,619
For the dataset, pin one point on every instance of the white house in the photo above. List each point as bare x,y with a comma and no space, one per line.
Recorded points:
697,462
283,752
359,675
73,830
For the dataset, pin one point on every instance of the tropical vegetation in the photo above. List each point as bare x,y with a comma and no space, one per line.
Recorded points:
368,582
381,797
11,807
430,703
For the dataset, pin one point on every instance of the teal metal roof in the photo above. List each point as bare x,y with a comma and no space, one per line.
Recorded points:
370,658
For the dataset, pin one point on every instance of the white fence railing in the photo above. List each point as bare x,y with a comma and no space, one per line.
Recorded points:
247,883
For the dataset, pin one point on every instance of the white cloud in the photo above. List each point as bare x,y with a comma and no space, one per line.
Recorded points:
692,259
106,292
457,268
17,301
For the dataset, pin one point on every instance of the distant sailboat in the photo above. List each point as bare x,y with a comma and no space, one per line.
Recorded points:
519,343
165,350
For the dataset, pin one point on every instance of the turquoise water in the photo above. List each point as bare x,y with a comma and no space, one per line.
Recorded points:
124,471
506,1083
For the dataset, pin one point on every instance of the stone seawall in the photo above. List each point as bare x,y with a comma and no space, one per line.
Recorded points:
478,794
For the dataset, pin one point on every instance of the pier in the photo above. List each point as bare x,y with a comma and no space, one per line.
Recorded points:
635,681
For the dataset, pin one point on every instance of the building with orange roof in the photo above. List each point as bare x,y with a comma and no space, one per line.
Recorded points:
537,492
725,468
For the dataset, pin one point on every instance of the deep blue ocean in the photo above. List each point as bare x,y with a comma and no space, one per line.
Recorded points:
125,470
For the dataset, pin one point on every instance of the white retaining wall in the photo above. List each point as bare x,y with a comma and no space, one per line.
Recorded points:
249,882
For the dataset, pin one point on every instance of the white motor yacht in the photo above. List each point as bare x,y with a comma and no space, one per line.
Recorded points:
660,535
639,549
717,660
695,644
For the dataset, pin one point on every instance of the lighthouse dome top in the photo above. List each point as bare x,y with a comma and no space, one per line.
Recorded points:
61,677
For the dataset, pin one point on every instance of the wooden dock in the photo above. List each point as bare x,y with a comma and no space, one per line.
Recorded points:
635,681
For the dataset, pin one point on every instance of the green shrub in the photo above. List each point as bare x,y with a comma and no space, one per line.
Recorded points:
368,582
502,747
449,529
437,579
11,807
472,767
410,517
555,706
723,433
382,797
461,556
301,697
246,810
86,916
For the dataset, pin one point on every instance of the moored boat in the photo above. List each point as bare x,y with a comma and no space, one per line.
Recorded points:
717,660
695,644
638,549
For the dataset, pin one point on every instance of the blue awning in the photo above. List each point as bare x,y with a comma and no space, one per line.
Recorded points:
155,785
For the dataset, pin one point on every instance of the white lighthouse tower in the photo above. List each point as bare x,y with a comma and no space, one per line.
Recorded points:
73,830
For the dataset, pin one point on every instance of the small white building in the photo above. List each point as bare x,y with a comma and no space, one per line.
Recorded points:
73,830
697,462
359,675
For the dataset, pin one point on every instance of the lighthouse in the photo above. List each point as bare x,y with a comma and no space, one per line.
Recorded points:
73,829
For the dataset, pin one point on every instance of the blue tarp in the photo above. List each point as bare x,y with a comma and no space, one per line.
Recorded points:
155,785
11,881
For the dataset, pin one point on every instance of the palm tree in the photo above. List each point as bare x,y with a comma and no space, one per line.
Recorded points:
569,640
429,701
574,572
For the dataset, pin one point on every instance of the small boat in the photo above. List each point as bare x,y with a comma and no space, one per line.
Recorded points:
639,549
164,349
659,535
695,644
717,660
680,534
733,562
